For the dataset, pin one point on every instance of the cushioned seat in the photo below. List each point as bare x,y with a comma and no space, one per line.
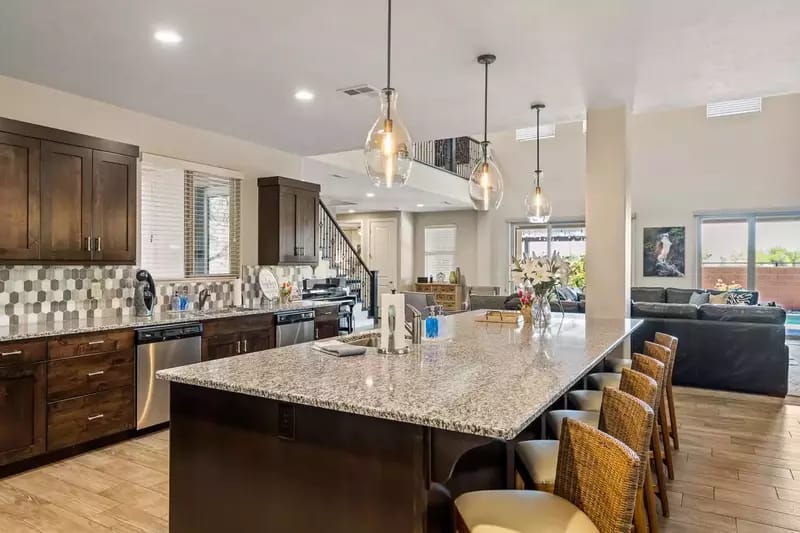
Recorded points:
556,418
616,364
539,457
601,380
585,400
521,511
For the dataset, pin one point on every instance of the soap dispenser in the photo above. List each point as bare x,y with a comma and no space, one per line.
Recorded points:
431,323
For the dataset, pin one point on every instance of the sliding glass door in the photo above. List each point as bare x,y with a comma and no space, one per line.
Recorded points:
756,251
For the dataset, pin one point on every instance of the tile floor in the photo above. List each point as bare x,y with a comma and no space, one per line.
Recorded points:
737,471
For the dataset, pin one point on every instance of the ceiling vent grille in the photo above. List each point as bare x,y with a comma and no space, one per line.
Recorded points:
547,131
359,90
733,107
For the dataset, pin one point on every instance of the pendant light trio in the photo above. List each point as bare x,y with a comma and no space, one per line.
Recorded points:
388,150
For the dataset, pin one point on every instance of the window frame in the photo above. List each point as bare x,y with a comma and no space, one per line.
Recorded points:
426,253
558,224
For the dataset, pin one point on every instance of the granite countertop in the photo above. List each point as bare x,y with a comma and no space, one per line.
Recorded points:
490,380
70,327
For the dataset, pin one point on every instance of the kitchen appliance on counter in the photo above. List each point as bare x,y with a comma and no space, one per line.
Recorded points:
293,327
159,348
144,297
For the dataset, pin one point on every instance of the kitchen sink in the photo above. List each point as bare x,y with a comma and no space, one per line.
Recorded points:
370,340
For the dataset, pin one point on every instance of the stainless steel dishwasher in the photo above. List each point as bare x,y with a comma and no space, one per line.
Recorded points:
158,348
294,327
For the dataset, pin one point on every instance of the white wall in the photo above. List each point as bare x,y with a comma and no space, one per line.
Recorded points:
28,102
682,163
466,223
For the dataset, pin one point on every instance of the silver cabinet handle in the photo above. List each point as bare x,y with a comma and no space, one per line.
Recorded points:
95,343
15,352
88,244
245,345
238,346
95,417
98,249
96,373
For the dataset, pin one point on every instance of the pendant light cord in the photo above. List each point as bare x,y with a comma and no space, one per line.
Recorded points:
538,169
389,48
485,102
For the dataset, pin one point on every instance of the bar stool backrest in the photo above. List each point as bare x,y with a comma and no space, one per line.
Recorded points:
628,418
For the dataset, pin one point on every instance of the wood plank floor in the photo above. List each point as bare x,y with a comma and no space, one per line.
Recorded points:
738,470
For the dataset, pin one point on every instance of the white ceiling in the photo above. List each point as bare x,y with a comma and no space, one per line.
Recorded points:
242,60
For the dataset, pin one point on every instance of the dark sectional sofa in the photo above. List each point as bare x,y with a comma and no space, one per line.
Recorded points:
729,347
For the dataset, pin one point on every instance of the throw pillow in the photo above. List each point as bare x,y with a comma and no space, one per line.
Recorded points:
721,298
738,298
698,298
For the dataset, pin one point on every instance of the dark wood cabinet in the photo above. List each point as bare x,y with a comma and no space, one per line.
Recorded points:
67,198
66,202
113,207
23,390
326,322
288,221
227,337
19,207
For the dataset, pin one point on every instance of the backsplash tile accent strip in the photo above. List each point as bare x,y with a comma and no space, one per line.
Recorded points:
31,294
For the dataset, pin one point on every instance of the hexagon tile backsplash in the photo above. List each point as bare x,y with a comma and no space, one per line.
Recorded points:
30,294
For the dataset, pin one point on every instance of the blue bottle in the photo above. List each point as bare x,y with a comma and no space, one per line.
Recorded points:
431,324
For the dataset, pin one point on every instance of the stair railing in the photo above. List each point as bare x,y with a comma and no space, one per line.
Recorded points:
342,256
457,155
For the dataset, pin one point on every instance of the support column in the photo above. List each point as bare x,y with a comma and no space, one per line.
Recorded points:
608,214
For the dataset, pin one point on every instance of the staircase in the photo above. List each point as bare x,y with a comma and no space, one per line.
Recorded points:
342,257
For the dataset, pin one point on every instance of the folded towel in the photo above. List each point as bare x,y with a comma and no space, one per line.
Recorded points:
339,349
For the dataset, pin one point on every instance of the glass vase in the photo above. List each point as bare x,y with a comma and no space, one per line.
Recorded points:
542,312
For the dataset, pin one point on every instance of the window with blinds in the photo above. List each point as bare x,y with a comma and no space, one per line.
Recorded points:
440,250
190,220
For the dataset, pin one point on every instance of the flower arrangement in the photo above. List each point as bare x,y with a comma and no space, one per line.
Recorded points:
286,290
537,278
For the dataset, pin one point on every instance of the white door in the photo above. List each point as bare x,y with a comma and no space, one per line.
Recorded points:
383,253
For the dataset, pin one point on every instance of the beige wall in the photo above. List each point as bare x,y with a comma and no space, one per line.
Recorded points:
466,223
41,105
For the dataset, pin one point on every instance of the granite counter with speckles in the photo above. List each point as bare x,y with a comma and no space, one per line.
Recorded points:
53,329
490,380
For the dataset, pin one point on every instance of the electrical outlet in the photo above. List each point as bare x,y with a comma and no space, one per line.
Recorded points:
97,289
286,421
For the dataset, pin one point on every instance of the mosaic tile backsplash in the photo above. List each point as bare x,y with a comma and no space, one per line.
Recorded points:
31,294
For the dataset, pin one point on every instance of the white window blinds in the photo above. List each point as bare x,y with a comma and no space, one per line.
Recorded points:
440,250
190,220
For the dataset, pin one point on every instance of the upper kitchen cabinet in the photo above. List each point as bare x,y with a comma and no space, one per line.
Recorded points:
70,198
288,221
19,203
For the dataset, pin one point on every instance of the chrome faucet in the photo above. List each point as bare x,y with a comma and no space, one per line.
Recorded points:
203,297
415,326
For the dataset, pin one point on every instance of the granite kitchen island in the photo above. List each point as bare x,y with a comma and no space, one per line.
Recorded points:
295,440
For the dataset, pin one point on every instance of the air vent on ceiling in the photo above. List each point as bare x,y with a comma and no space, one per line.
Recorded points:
547,131
340,177
358,90
733,107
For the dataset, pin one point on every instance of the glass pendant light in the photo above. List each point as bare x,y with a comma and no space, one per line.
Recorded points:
485,182
388,151
537,206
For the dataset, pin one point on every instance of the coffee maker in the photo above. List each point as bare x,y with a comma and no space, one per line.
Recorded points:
144,298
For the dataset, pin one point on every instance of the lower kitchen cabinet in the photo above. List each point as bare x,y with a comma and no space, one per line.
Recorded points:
23,391
227,337
85,418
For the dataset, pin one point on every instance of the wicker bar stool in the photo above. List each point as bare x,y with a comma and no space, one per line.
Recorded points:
595,489
655,367
671,342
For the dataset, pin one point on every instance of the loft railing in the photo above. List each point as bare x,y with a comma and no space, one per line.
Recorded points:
343,257
458,155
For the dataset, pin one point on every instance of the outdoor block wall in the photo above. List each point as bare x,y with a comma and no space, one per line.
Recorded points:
779,284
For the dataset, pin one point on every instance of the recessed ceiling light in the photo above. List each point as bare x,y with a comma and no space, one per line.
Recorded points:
304,95
168,36
370,195
351,210
420,205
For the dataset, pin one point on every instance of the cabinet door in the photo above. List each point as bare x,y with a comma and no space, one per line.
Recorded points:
113,207
22,411
221,346
306,225
66,202
19,203
256,341
287,226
